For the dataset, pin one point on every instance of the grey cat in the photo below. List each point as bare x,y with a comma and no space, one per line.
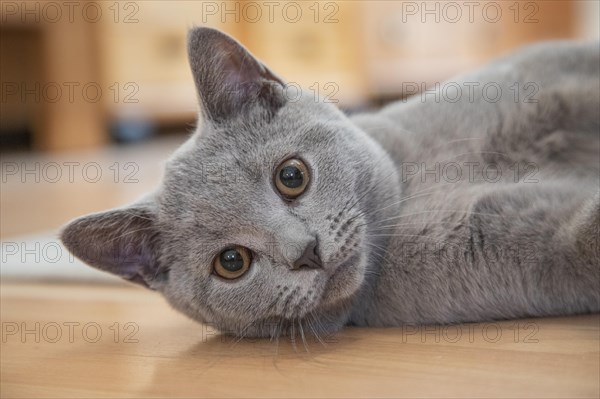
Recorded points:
477,201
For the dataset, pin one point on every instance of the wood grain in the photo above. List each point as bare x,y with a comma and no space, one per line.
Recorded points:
161,353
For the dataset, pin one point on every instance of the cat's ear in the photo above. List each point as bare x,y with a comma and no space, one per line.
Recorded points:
228,78
120,241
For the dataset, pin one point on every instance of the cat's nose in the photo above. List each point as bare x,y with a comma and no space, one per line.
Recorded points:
310,257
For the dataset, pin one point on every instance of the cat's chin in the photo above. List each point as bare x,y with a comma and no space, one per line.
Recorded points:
318,325
323,321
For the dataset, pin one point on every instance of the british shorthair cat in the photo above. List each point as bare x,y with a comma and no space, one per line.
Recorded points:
280,214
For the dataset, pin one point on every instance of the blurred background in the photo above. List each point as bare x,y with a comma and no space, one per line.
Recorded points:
95,95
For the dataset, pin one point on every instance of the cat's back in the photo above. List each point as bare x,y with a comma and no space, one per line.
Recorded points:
539,105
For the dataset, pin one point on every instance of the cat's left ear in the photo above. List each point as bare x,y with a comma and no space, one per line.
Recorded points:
228,78
122,241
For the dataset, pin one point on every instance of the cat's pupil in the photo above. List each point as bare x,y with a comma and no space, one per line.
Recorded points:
291,176
232,260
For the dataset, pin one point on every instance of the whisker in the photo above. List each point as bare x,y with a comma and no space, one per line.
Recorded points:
437,210
302,335
311,326
393,226
382,257
278,335
293,336
244,331
372,185
242,335
464,139
428,190
395,235
417,194
399,202
477,152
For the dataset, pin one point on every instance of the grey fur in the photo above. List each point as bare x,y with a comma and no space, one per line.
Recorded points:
397,247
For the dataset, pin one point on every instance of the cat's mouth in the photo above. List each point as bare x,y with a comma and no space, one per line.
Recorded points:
344,279
344,272
327,287
319,309
337,288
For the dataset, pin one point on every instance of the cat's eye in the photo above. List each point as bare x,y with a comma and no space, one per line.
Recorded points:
232,262
291,178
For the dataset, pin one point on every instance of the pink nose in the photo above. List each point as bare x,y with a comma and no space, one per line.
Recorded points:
310,257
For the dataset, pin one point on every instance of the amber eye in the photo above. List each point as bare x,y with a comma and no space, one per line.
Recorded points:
233,262
291,178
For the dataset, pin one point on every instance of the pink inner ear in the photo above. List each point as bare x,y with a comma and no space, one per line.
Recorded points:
242,74
128,260
120,242
228,77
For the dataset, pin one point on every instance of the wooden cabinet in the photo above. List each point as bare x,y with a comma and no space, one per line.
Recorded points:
315,45
61,113
349,51
408,42
144,59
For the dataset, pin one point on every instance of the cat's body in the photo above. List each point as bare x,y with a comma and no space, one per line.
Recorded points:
391,232
493,187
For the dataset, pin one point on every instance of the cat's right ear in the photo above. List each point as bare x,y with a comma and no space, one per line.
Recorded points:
123,241
228,78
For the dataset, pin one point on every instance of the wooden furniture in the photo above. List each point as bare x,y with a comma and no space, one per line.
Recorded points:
349,52
64,107
407,42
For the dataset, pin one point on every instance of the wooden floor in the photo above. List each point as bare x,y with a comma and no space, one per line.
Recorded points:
96,341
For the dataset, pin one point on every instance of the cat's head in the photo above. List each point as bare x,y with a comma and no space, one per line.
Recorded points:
262,218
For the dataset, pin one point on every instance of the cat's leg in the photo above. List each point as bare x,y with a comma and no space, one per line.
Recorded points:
583,230
539,244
